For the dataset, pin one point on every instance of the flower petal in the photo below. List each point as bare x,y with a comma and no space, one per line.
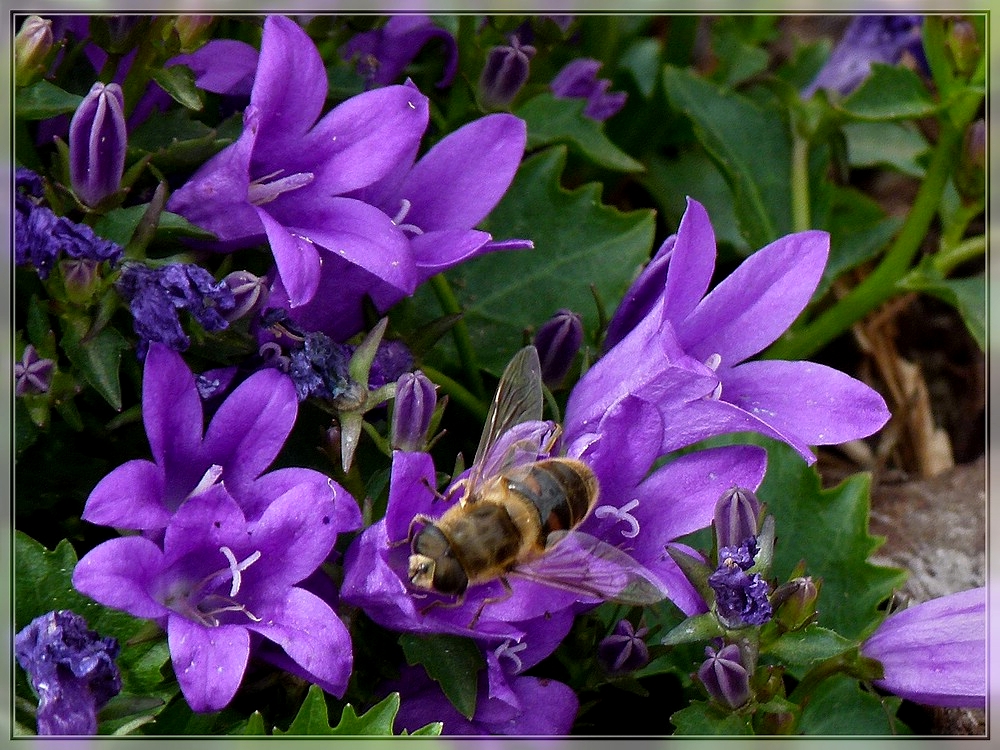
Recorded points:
129,497
224,66
209,662
313,636
437,251
296,257
269,486
692,263
755,304
816,404
459,181
118,574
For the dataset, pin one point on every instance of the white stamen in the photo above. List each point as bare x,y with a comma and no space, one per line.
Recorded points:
237,568
713,361
404,209
262,191
506,649
621,514
209,480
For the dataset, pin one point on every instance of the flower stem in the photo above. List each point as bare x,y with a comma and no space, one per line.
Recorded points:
460,332
801,219
457,392
947,260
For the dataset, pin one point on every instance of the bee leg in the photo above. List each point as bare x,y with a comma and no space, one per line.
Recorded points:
508,592
419,518
459,601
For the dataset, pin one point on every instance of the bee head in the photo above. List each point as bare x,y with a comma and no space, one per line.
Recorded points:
432,565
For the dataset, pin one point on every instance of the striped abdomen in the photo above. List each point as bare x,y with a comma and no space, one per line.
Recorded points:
562,489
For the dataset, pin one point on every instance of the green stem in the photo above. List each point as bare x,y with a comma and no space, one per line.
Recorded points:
801,219
946,260
880,285
457,392
460,332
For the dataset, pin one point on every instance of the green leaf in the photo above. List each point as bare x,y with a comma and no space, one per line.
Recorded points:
254,726
736,48
828,529
896,145
967,295
118,225
43,100
811,644
890,92
579,242
313,718
839,706
97,357
178,81
551,120
701,627
704,718
751,146
451,661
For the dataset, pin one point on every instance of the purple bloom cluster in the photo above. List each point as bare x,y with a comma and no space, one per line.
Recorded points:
224,545
71,669
740,599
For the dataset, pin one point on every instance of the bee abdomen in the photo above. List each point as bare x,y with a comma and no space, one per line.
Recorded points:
563,490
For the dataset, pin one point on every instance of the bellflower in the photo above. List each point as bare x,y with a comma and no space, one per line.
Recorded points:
219,578
724,676
242,440
624,650
286,178
71,669
869,39
97,142
382,54
740,598
578,80
935,652
800,403
33,373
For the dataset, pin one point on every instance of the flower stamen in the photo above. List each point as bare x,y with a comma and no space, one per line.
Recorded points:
510,651
621,514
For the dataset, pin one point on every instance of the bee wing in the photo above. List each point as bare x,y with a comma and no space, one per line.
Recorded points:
583,564
518,399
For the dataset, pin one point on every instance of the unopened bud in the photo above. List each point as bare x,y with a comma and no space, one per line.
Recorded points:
31,48
724,676
97,142
794,603
505,72
624,650
33,373
416,398
963,46
192,30
736,515
79,278
557,341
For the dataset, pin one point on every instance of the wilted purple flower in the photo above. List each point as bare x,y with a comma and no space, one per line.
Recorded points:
286,179
578,80
558,341
97,142
724,676
157,295
242,440
319,367
71,669
935,652
392,358
507,703
383,53
413,407
505,72
736,516
740,599
219,578
624,650
800,403
33,374
869,39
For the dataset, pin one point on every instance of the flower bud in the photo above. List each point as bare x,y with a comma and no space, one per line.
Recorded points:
505,72
80,278
97,142
736,515
416,398
578,79
557,341
33,374
963,46
192,30
31,47
624,650
795,602
724,676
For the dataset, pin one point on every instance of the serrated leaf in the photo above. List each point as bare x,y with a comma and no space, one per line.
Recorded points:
578,242
839,706
178,81
97,357
551,120
967,295
811,644
43,100
254,725
313,717
890,92
452,662
751,146
828,529
704,718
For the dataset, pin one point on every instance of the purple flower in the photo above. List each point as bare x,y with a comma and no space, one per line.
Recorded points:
286,179
624,650
392,359
71,669
724,676
319,367
935,652
507,703
578,80
413,408
219,578
383,53
97,142
736,516
740,599
800,403
242,440
156,295
558,340
33,374
869,39
435,203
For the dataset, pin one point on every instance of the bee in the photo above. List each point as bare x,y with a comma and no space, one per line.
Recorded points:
521,519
